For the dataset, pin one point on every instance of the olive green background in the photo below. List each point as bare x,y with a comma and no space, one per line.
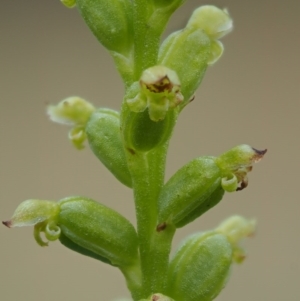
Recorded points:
250,96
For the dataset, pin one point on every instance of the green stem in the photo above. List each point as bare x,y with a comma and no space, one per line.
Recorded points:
149,23
133,278
145,50
148,177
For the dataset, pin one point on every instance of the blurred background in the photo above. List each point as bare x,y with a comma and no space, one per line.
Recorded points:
250,96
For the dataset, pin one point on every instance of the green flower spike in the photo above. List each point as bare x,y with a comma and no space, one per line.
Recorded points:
159,80
73,111
159,91
40,214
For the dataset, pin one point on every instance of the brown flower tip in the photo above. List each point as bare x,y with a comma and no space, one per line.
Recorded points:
7,224
258,154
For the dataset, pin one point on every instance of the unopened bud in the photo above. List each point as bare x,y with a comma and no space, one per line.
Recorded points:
214,21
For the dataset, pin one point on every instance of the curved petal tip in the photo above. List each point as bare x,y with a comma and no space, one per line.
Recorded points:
7,224
259,154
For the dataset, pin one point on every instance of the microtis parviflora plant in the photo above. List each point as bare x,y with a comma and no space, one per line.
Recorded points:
160,80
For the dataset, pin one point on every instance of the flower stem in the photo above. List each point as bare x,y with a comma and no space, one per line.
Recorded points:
148,177
149,24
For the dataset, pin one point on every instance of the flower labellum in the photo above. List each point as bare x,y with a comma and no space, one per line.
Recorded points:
159,91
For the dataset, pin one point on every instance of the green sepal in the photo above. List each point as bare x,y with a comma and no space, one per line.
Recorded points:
99,229
110,21
141,134
104,136
68,243
200,267
191,191
187,52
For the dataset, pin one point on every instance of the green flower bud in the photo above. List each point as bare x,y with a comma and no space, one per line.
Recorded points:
160,91
200,267
68,3
73,111
187,52
110,21
190,192
104,136
214,21
87,227
236,163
